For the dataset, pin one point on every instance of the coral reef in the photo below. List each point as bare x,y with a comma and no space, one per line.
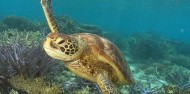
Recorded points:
4,85
3,27
180,60
159,65
84,91
33,86
118,39
70,83
166,78
149,45
23,37
19,23
70,26
18,58
21,53
182,48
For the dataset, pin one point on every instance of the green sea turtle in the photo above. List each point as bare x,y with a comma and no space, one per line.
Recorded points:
87,55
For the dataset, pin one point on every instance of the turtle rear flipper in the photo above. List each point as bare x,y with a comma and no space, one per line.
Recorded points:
106,85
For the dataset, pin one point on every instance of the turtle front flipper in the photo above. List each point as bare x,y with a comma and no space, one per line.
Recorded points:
106,85
47,7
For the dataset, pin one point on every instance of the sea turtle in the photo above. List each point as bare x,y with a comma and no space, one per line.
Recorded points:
87,55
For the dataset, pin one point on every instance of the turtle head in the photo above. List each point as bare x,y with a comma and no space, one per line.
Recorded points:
63,47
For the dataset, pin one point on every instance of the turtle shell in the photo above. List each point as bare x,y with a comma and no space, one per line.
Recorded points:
107,52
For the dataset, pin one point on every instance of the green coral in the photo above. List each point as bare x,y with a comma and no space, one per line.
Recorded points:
180,60
3,27
33,86
182,48
118,39
149,46
70,26
20,23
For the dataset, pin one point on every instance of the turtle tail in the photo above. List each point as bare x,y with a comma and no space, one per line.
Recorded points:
47,7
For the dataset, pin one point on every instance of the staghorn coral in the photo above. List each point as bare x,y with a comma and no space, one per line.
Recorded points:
33,86
19,23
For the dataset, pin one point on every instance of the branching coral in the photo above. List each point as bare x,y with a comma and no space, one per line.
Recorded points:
70,83
178,79
24,37
18,58
145,88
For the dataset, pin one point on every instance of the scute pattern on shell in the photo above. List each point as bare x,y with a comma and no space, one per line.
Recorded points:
104,48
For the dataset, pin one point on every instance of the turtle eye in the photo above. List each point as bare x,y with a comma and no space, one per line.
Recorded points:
59,40
62,41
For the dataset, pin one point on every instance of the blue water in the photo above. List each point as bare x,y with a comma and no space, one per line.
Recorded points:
169,17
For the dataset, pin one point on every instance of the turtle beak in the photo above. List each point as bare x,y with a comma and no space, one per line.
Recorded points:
48,42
